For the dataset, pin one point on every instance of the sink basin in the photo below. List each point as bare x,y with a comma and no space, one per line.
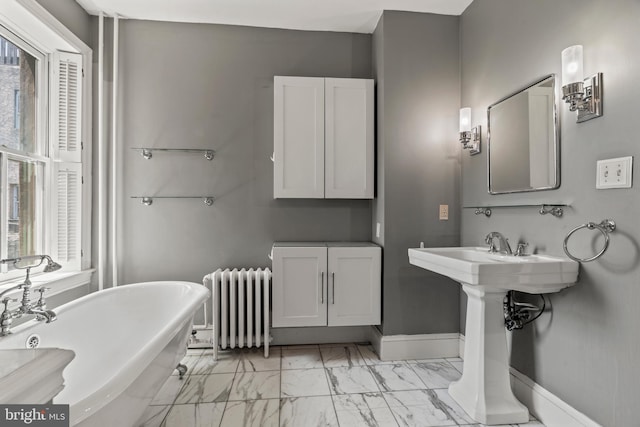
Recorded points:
32,376
534,274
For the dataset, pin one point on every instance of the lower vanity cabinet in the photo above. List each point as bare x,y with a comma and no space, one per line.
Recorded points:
354,285
326,284
299,290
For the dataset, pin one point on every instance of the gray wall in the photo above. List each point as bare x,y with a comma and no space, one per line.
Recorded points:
211,86
585,348
417,71
73,16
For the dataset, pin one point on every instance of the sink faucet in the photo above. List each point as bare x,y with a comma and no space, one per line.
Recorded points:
503,243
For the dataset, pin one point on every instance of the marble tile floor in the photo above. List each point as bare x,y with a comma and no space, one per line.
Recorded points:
342,385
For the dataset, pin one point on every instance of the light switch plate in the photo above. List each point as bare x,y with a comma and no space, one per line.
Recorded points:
444,212
614,173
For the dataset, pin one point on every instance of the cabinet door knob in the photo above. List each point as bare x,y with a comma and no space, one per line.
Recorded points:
322,287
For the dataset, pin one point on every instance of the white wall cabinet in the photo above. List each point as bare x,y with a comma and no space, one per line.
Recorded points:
326,284
323,138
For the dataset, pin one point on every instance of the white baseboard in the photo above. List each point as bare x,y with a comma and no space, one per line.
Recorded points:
424,346
546,406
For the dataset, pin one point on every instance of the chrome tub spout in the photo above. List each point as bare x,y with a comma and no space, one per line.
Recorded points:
47,315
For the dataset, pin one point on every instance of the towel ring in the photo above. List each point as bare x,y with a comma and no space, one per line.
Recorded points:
605,227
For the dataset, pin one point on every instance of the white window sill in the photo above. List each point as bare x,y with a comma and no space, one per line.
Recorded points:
58,281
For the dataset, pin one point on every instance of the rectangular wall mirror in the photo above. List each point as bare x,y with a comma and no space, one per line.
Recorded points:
524,140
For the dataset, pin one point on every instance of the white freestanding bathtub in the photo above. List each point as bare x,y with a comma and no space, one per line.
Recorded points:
127,341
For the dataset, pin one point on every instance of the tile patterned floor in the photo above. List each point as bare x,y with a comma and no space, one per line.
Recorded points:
342,385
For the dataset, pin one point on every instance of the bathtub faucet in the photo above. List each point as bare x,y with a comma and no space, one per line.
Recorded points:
26,306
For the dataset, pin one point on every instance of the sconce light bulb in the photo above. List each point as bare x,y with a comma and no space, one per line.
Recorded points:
572,71
465,119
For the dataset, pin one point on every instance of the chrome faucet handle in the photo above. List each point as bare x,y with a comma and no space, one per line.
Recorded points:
41,302
6,318
520,250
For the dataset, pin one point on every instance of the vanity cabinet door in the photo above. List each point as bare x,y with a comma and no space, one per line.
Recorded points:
298,137
354,286
299,286
349,146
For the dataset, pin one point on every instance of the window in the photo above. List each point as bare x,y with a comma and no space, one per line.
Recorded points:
21,151
40,154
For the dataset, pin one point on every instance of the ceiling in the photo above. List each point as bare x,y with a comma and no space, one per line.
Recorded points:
357,16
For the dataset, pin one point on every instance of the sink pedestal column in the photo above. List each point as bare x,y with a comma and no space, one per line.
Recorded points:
484,391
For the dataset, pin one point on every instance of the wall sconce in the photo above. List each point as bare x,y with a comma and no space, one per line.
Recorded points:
469,137
582,95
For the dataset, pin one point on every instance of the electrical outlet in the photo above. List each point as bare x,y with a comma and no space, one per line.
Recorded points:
444,212
614,173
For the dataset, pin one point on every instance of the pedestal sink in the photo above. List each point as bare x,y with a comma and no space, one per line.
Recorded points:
484,390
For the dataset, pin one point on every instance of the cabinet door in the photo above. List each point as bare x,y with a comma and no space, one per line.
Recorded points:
354,286
299,286
298,137
349,141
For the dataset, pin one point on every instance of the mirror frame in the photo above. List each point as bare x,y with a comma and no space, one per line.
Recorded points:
556,133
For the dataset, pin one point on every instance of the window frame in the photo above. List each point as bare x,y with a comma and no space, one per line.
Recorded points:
39,157
39,33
